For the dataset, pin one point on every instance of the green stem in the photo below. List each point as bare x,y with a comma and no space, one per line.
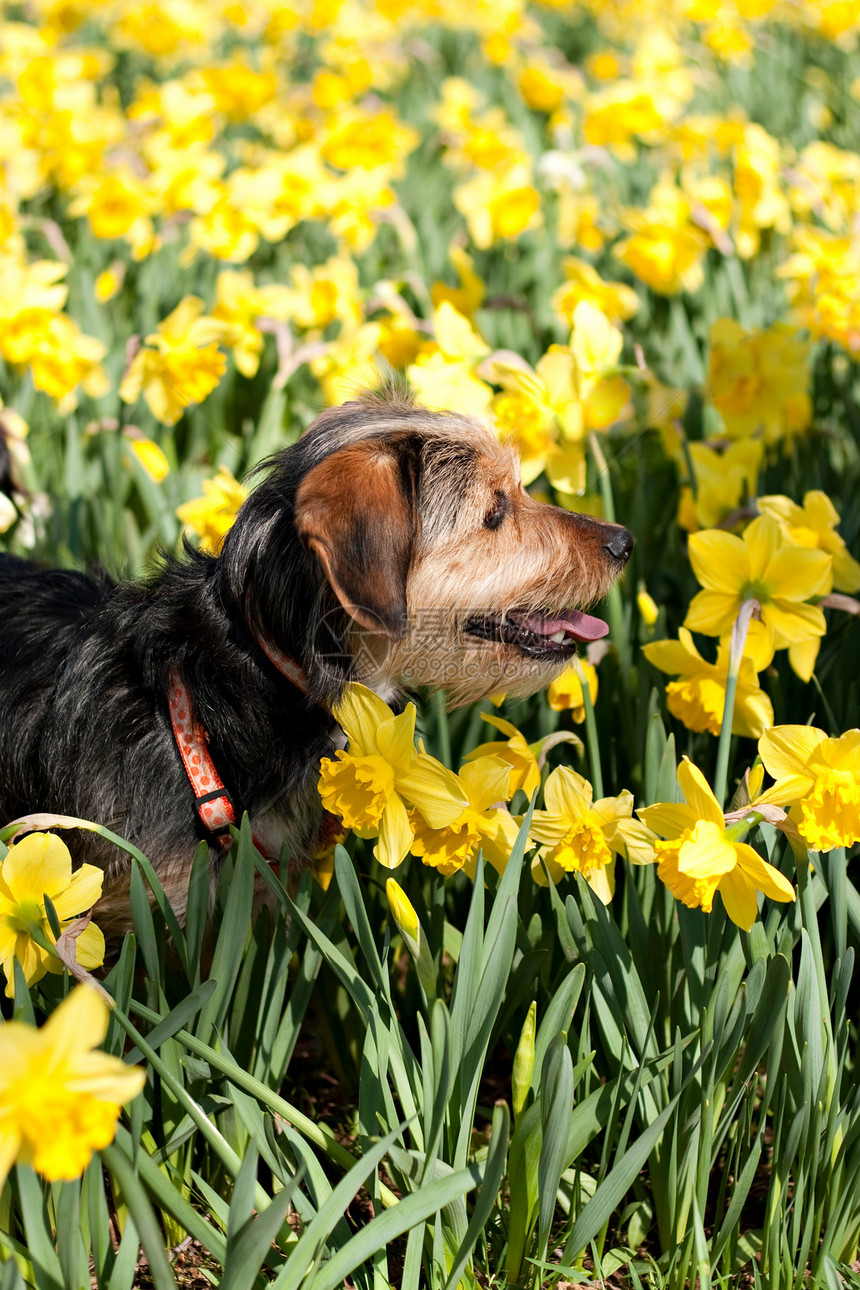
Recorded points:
590,732
443,734
736,653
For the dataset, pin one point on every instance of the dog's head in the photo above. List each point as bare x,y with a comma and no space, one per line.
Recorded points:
430,564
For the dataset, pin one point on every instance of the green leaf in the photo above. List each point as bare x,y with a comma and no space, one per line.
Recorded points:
486,1198
556,1106
141,1211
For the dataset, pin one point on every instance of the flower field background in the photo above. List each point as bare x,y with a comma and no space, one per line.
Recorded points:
600,1024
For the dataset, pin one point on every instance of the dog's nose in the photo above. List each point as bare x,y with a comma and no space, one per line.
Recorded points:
620,545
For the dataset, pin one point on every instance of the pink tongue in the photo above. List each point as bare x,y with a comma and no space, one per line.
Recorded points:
581,627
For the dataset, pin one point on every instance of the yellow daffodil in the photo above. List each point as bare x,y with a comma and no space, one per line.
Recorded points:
758,565
499,204
38,866
541,413
443,373
212,515
519,755
758,381
150,456
820,777
565,692
723,480
649,610
369,786
813,525
60,1097
469,295
666,249
239,305
180,363
700,857
617,301
580,835
698,697
485,783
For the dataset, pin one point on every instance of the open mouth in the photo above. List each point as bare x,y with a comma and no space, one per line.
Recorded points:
554,634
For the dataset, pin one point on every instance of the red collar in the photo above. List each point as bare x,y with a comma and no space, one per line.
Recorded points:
213,802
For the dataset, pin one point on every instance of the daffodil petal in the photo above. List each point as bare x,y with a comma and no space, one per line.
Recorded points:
766,878
567,794
785,750
797,573
433,790
90,947
712,613
395,738
635,841
360,712
762,540
791,623
668,819
787,789
698,794
10,1143
602,882
80,1023
720,560
803,657
395,834
40,863
739,898
82,893
486,781
673,657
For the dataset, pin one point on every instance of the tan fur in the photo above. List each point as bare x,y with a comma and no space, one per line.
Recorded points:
541,557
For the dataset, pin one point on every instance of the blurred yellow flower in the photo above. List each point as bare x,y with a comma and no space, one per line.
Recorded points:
700,857
724,478
239,305
541,414
518,754
369,786
59,1097
820,778
665,250
180,363
813,525
485,783
149,454
38,866
565,692
698,698
109,282
212,515
759,381
499,204
468,296
614,299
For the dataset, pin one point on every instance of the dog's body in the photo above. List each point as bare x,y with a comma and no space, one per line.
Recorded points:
390,545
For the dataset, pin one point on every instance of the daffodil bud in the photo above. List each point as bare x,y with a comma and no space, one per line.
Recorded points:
755,780
647,607
524,1061
403,912
404,915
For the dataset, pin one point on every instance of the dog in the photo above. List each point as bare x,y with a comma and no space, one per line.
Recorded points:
390,545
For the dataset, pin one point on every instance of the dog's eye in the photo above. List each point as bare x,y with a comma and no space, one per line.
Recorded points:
497,511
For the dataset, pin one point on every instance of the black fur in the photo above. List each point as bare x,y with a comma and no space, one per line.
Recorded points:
85,667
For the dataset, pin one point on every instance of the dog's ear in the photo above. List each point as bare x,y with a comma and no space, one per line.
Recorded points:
355,512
